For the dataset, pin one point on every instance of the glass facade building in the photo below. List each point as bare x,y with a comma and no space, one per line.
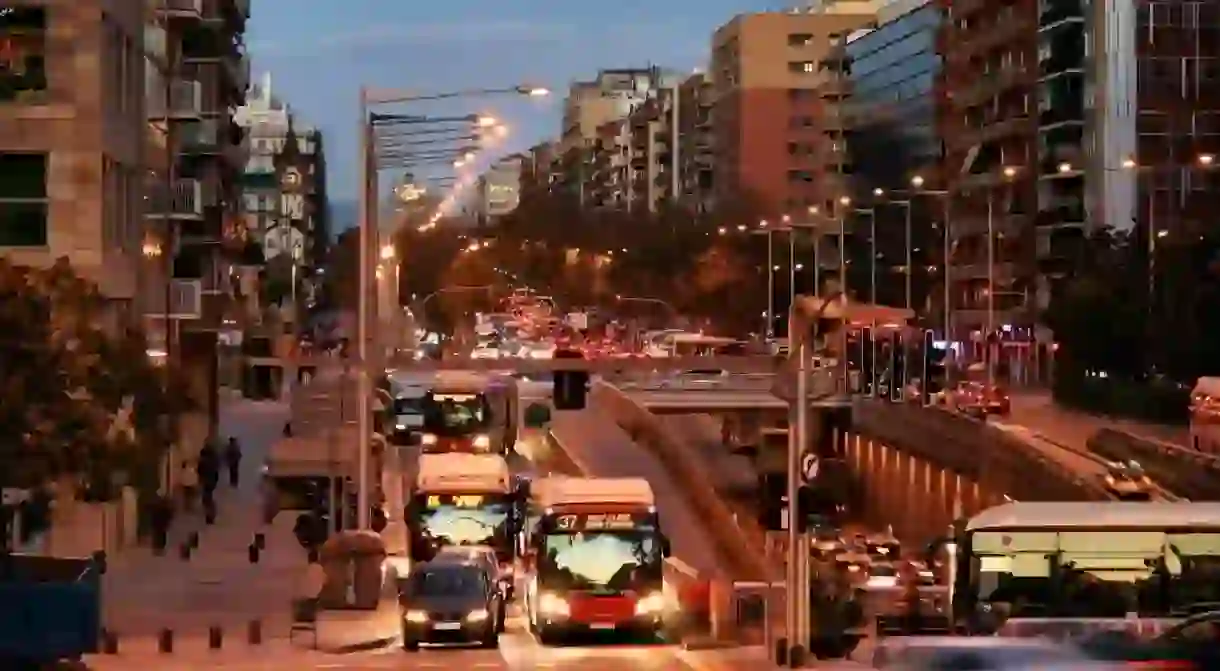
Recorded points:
893,135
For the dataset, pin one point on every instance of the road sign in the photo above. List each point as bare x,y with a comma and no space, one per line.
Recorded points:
810,466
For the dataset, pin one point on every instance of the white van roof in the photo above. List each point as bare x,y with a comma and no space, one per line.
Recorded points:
563,490
460,472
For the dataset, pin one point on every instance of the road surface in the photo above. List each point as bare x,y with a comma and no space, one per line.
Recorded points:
1038,412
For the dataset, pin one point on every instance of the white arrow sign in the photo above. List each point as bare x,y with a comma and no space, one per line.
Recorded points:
809,466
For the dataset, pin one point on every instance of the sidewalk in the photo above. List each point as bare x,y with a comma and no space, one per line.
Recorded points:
218,587
1039,413
754,657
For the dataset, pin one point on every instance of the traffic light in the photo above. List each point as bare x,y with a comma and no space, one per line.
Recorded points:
571,389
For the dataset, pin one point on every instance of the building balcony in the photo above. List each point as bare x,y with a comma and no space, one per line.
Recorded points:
238,69
181,9
185,299
996,130
1008,27
988,86
185,101
1005,272
156,43
1000,224
183,200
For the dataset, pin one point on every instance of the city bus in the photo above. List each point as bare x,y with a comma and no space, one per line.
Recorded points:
1070,569
464,500
594,558
470,412
667,345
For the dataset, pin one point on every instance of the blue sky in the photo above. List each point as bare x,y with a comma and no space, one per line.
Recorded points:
319,52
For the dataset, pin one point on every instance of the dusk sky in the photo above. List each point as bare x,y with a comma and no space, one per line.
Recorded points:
320,52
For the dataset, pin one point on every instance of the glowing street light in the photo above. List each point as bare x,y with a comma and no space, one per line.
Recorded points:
917,181
534,91
484,121
387,253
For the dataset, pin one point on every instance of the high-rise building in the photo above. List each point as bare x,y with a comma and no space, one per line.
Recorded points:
893,137
989,123
777,122
695,143
192,202
73,139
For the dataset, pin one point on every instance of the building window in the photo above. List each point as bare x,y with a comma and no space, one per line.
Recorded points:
23,200
800,39
23,72
800,122
800,176
802,67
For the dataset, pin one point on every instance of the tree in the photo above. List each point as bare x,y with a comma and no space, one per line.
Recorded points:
72,392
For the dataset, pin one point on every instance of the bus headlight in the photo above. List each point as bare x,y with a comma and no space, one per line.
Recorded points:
416,616
653,604
553,605
482,441
428,439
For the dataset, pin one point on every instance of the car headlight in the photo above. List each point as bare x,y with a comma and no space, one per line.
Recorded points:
882,581
400,426
554,605
415,616
479,615
428,439
482,441
653,604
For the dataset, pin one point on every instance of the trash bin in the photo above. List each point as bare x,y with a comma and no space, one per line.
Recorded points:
352,561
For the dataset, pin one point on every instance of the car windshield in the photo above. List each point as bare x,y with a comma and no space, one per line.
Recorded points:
450,581
1095,573
464,519
456,414
601,561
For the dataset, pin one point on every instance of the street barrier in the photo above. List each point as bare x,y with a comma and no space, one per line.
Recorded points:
167,639
1184,472
993,459
738,541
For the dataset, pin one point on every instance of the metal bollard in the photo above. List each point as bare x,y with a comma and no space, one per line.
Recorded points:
254,632
193,540
110,642
796,657
260,541
252,553
184,552
215,638
165,640
781,651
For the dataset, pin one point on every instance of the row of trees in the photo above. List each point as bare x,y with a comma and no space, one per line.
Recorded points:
78,401
1145,315
675,261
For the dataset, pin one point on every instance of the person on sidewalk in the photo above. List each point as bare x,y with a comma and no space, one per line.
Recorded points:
208,468
233,461
189,481
161,516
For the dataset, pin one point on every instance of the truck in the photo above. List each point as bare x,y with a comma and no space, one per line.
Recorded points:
50,608
594,559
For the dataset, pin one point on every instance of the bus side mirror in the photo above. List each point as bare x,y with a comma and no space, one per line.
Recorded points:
537,416
666,548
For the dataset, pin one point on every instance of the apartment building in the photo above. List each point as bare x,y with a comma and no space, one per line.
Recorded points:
989,122
777,122
72,140
892,137
695,144
610,185
498,190
192,194
612,95
540,170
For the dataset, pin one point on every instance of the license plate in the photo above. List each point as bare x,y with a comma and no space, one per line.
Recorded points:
602,626
448,626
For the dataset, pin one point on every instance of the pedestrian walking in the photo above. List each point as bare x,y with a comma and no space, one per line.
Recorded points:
161,517
189,481
208,468
233,461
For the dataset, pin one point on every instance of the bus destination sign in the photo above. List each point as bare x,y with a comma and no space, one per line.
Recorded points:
603,522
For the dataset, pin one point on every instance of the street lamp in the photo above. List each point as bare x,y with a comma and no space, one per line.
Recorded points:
918,183
368,243
1008,173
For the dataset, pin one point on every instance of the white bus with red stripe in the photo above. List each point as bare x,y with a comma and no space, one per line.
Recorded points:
595,555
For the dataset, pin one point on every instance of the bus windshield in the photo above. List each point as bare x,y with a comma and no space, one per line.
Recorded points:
465,519
1095,573
456,414
605,554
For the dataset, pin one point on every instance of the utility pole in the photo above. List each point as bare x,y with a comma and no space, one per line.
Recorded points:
363,310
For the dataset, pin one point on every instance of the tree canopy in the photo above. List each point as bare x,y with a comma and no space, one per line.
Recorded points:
79,399
593,257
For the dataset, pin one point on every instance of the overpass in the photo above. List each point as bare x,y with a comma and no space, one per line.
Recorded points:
911,467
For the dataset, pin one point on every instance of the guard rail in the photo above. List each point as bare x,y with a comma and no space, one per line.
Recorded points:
1185,472
738,541
973,450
